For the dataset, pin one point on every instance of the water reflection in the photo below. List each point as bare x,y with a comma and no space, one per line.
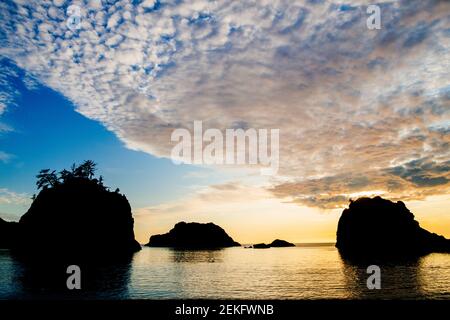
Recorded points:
46,278
233,273
197,256
399,280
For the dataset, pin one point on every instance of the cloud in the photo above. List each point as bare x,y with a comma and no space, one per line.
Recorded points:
5,157
247,212
423,173
8,92
353,105
410,181
11,197
30,82
207,199
10,79
226,202
5,128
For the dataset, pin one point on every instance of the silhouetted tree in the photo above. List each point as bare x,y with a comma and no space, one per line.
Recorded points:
88,168
65,175
46,178
73,168
85,171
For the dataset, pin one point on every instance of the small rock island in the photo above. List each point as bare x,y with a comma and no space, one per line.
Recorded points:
193,235
277,243
260,246
379,228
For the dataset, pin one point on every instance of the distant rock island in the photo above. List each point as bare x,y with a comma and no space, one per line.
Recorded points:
277,243
379,228
74,214
193,235
260,246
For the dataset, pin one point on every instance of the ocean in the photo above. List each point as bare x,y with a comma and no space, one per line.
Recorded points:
313,271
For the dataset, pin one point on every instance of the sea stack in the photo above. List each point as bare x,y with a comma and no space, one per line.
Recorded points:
379,228
193,236
75,215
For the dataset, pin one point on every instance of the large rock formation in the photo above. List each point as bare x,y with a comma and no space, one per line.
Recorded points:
375,227
78,217
193,236
73,216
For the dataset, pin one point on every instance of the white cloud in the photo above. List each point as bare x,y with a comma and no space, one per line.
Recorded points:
247,213
11,197
7,91
350,102
5,157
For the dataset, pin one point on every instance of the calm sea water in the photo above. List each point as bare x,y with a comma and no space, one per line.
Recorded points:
302,272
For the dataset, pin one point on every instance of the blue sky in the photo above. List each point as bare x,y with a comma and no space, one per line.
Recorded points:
48,133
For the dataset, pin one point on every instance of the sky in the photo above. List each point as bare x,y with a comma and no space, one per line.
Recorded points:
360,112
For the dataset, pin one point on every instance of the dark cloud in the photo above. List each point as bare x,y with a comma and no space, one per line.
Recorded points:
423,172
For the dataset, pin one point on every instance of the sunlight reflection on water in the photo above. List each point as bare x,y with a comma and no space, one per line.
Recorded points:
280,273
307,272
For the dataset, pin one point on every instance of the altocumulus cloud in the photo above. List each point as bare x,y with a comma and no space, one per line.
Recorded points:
359,110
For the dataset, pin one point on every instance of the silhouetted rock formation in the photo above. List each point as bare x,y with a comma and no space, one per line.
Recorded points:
379,228
193,236
74,215
261,246
277,243
79,217
8,233
281,243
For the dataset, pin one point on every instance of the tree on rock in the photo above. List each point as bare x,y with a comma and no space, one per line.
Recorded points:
46,179
75,214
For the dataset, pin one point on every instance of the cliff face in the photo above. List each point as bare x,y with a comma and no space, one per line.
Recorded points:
78,217
375,227
193,236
